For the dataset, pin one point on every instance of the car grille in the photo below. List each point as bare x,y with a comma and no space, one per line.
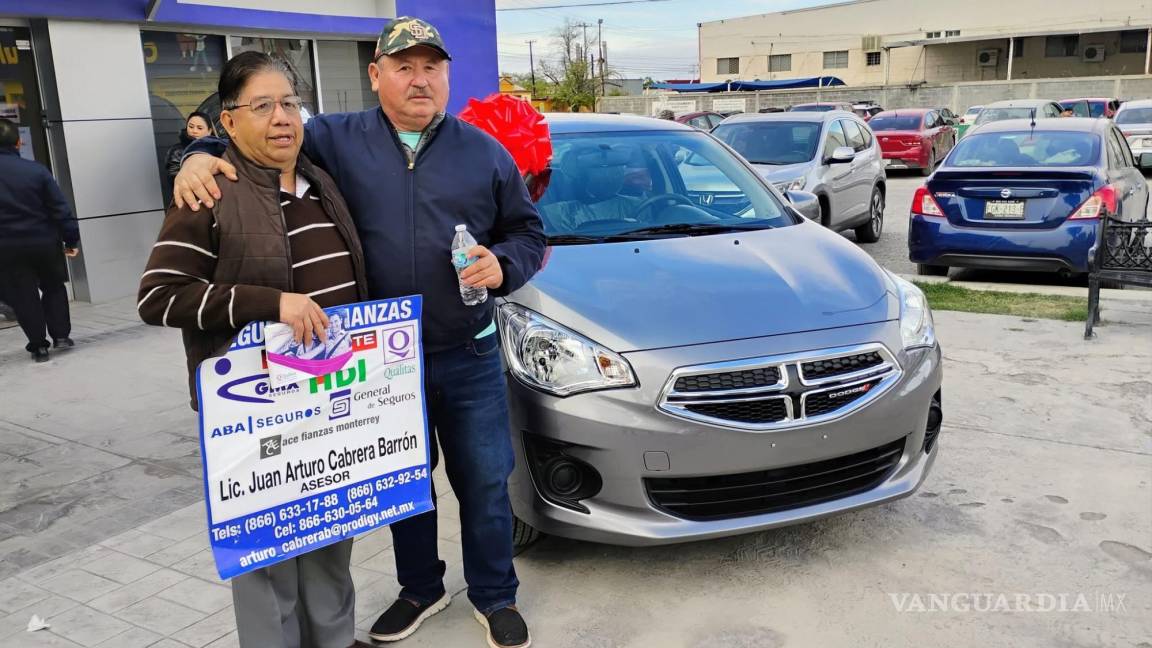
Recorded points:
781,391
718,497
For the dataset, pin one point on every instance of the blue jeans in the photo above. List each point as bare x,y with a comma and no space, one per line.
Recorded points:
468,413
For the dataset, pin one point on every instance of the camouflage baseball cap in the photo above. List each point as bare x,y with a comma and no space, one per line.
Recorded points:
401,33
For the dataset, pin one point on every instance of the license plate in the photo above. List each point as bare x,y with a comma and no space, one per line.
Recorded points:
1004,209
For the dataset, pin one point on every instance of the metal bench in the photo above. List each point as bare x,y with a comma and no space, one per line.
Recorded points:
1122,255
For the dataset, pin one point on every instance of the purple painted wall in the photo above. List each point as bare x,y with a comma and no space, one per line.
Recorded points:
469,30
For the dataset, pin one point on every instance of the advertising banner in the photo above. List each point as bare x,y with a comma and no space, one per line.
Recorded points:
295,467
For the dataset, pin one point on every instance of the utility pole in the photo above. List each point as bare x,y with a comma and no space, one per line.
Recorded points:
532,67
590,73
600,50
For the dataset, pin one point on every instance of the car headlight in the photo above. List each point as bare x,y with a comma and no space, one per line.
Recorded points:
795,184
916,326
555,359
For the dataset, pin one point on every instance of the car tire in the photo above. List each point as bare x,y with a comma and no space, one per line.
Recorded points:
927,171
926,270
825,212
523,535
870,232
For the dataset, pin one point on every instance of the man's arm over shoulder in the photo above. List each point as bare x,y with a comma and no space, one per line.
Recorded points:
518,240
60,211
177,289
213,146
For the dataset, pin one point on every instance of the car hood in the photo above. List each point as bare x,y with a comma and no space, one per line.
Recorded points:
634,296
783,172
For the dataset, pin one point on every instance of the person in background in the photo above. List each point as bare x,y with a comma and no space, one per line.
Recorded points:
37,230
210,274
667,114
198,125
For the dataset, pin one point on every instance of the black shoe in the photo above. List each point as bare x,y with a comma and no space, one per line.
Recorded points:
63,343
40,355
404,618
506,628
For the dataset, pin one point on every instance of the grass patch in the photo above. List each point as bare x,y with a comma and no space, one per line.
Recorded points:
946,296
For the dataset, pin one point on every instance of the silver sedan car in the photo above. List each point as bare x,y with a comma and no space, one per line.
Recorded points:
693,363
1135,120
831,154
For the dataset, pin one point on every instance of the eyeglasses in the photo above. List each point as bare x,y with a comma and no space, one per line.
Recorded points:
264,106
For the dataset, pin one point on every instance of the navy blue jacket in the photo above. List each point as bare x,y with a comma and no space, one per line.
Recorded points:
406,214
33,210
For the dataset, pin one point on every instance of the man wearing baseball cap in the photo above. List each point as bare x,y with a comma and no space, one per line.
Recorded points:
410,173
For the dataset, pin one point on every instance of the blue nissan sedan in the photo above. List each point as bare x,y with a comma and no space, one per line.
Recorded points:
1025,195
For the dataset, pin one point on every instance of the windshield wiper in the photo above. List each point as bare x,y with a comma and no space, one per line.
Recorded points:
573,239
767,163
686,228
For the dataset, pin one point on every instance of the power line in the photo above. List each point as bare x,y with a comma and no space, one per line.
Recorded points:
578,6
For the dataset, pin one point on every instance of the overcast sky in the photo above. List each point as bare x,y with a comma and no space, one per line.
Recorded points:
656,39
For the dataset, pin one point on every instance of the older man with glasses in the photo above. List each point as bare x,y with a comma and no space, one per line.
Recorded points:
411,173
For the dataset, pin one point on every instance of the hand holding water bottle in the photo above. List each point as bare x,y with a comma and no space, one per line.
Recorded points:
485,271
476,267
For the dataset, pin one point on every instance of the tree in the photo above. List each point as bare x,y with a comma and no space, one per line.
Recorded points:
571,75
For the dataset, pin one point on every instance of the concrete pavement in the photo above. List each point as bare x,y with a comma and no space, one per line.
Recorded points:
1042,488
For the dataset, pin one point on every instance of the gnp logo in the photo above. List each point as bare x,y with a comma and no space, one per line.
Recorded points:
249,389
341,404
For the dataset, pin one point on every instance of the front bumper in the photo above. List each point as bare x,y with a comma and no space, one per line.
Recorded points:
618,433
936,241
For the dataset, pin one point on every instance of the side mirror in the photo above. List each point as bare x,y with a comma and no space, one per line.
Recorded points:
806,203
842,155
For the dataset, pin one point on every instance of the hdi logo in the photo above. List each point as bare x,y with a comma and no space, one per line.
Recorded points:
339,379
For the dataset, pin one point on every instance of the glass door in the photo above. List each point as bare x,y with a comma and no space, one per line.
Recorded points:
20,93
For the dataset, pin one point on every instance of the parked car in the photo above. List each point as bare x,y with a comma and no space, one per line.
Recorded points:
685,367
704,121
950,118
866,110
1135,120
1091,107
916,138
967,119
1013,195
1018,109
821,107
831,154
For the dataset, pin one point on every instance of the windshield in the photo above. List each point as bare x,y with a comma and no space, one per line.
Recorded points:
772,142
1078,108
813,108
1027,149
895,122
1000,114
974,110
611,186
1134,116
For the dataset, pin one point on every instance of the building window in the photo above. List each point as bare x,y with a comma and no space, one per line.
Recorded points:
835,60
1133,41
344,86
1017,47
182,72
931,35
780,63
728,65
1061,46
952,33
872,58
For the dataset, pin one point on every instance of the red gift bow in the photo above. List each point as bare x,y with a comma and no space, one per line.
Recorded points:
521,129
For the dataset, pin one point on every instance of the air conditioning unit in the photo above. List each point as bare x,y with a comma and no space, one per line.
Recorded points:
1094,53
988,58
871,43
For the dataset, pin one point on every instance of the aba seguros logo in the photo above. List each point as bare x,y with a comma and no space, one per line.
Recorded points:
248,389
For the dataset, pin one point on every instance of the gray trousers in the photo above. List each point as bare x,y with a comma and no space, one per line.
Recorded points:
305,602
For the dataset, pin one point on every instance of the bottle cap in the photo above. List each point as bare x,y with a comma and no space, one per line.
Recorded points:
461,228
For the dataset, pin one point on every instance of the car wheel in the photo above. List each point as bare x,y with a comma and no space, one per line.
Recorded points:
925,270
825,213
523,535
927,171
870,232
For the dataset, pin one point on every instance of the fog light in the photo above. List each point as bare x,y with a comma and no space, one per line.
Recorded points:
560,477
935,420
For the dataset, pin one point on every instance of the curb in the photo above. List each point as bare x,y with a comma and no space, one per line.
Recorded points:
1138,296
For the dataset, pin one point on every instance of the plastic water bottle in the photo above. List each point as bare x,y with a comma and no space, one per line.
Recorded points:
461,243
